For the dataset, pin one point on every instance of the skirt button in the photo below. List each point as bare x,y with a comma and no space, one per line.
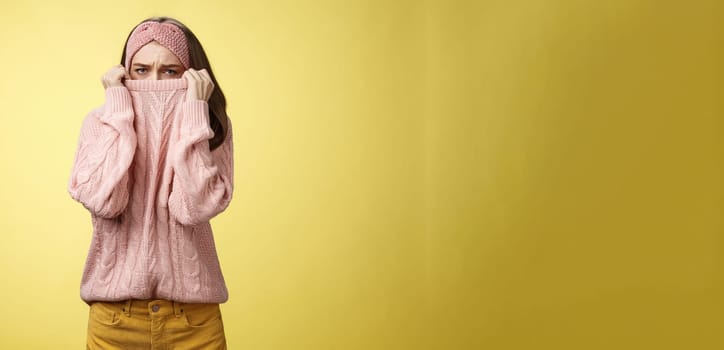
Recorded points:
155,308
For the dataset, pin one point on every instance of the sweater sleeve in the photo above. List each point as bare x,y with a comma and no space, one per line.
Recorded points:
105,150
203,180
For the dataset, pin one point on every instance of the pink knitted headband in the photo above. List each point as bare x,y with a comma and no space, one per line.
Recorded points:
166,34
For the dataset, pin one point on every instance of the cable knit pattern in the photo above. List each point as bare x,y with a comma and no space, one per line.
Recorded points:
144,170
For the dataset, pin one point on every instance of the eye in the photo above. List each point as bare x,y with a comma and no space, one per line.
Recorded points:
171,72
140,70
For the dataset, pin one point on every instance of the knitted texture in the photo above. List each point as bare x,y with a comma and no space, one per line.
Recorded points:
144,170
166,34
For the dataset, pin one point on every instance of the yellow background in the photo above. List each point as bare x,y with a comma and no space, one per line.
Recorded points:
409,174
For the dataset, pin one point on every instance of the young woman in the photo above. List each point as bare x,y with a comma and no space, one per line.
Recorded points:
153,165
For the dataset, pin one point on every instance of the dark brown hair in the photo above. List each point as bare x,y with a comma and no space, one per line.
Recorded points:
198,60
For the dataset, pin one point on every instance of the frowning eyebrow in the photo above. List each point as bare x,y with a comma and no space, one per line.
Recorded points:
143,65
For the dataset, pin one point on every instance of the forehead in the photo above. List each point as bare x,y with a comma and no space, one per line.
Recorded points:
153,52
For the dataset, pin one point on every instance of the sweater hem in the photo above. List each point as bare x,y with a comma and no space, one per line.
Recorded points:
90,299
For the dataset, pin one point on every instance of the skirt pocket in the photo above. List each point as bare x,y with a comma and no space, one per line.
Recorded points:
104,314
202,315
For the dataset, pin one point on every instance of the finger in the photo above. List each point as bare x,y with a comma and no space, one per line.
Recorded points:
195,74
118,74
205,74
191,74
123,69
191,82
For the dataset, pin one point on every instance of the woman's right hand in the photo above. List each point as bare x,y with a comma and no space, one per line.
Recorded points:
114,76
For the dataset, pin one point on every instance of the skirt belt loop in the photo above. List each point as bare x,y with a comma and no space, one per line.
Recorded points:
178,308
127,308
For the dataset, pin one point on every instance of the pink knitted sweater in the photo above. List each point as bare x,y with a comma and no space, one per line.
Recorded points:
144,170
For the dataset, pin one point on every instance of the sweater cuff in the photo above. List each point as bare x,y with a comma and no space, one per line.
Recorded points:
196,116
118,99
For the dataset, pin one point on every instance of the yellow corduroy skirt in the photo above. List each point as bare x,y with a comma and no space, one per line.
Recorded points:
154,325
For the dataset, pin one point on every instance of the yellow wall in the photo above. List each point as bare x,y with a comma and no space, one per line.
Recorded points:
409,174
574,174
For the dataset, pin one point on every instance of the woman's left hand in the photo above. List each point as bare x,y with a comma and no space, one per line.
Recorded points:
200,85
